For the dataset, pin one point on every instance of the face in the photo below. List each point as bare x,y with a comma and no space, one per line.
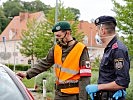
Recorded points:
59,34
99,34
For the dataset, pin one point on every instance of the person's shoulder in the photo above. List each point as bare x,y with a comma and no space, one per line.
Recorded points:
119,45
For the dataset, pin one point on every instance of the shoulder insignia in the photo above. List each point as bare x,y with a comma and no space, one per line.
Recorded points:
114,46
119,63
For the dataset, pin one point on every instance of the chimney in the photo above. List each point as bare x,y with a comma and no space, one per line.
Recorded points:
23,15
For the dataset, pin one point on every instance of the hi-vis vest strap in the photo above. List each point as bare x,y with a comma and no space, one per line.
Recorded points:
68,71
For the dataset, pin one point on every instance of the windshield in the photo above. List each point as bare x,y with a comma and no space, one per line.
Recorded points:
8,89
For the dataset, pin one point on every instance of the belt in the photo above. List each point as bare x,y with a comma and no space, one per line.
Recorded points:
67,85
105,95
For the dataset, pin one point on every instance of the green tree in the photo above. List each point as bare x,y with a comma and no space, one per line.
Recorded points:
68,15
124,18
38,38
12,8
3,20
35,6
28,37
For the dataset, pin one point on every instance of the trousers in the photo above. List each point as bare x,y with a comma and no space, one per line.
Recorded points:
62,96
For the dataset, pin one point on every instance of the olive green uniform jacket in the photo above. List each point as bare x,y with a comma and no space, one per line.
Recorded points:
45,63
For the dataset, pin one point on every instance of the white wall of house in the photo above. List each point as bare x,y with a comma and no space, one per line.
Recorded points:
18,58
13,55
95,52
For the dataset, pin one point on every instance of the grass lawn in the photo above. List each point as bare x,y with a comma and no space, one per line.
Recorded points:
29,83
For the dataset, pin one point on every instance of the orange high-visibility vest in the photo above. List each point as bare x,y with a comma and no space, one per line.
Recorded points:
68,71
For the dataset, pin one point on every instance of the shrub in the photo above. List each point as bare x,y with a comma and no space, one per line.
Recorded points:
20,67
130,88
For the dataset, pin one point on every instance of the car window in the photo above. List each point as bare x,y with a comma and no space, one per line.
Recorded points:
8,89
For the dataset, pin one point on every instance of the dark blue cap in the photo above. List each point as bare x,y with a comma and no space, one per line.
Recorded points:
105,19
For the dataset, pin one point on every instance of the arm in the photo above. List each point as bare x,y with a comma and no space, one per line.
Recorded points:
85,76
110,86
121,71
41,66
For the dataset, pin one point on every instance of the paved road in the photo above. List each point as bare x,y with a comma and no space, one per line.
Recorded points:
37,96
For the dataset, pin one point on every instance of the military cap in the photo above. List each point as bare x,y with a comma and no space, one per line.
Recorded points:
61,25
105,19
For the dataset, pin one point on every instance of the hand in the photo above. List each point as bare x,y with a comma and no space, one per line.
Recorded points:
21,75
118,94
92,89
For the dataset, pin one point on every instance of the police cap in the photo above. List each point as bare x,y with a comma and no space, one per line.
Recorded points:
105,19
61,25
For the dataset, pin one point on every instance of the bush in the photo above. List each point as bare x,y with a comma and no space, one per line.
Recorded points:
130,88
20,67
50,83
96,62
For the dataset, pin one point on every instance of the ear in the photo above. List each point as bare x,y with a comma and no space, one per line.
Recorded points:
103,31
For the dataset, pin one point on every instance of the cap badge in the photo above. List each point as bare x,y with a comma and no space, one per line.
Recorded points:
58,27
97,21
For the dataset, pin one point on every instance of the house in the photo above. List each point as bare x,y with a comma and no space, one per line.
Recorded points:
11,36
89,30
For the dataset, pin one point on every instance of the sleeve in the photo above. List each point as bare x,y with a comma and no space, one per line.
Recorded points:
41,65
122,66
85,74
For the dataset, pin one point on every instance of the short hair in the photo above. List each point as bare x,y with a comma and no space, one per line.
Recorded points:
110,27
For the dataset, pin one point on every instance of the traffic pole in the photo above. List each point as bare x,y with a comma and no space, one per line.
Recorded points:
44,88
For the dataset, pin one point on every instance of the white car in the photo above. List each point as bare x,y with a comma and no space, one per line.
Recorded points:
11,87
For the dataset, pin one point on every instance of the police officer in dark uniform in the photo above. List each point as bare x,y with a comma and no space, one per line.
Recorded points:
71,64
114,67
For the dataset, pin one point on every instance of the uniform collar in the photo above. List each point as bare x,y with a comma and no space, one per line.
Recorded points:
112,42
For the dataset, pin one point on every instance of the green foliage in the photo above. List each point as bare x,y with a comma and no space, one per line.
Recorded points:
75,11
29,83
96,62
78,35
44,40
35,6
63,14
15,7
49,76
3,20
67,14
130,88
19,67
124,18
129,41
94,77
28,38
124,15
38,39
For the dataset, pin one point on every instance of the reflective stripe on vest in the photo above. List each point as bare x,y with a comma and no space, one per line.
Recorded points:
68,71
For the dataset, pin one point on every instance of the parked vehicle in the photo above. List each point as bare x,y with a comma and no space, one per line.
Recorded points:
11,87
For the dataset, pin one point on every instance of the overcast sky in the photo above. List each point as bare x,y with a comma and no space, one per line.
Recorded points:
89,9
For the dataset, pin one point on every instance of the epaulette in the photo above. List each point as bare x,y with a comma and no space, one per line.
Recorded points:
114,46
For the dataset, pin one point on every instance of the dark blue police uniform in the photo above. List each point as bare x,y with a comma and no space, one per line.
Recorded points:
115,64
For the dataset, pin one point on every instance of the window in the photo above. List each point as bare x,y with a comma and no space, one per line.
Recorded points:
8,89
